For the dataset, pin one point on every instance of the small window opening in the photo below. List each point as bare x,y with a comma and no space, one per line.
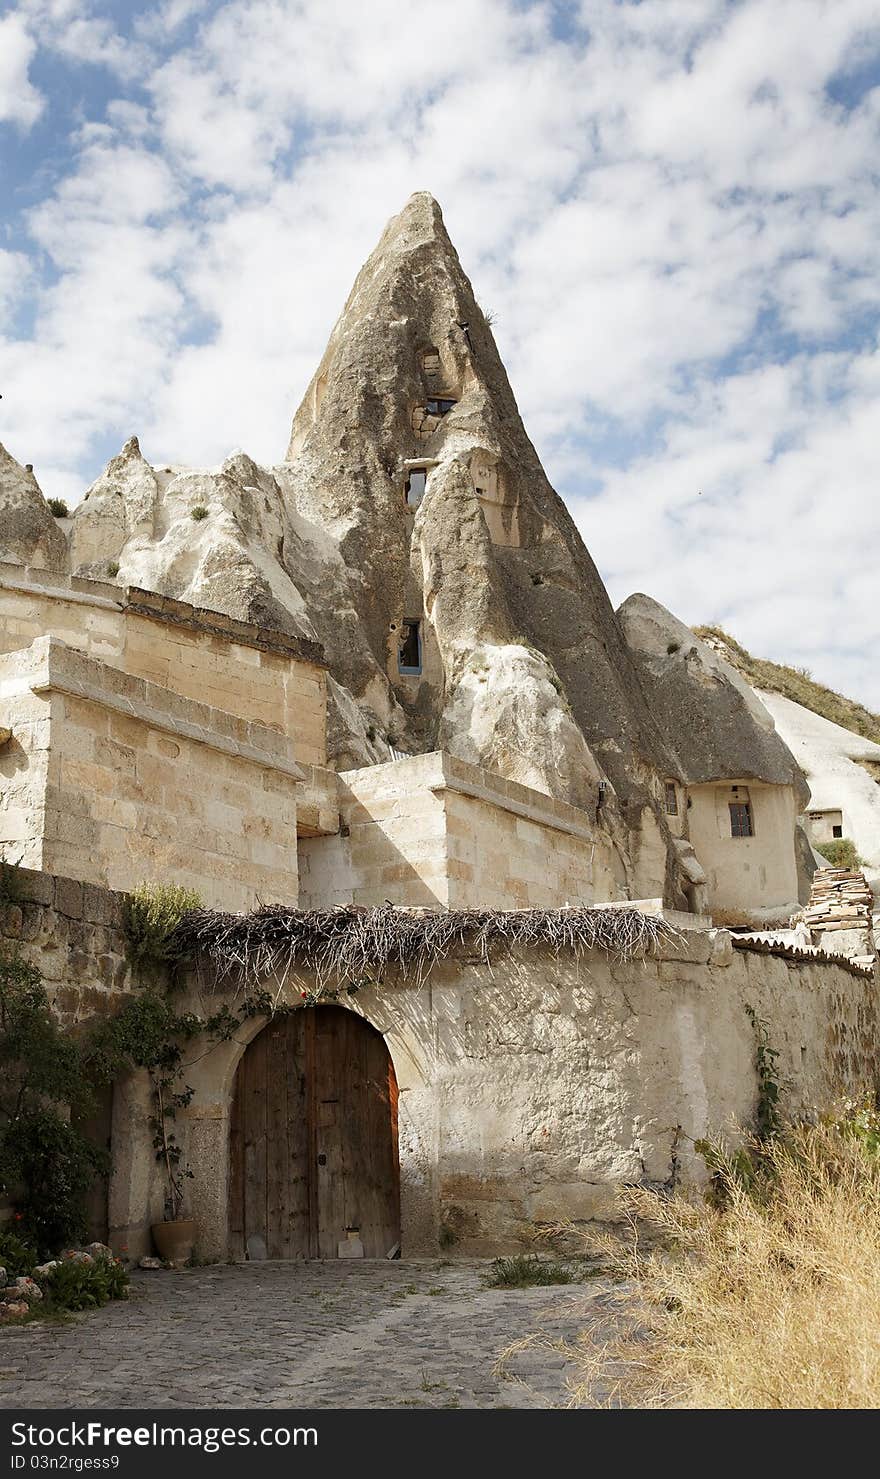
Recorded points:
837,831
438,407
414,488
409,652
741,819
671,799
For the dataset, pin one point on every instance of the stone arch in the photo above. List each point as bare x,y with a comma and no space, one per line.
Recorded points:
313,1140
136,1194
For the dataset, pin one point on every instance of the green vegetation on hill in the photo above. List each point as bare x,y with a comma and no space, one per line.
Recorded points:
840,852
796,684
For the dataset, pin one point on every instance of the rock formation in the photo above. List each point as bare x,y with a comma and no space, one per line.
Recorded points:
410,493
29,534
715,723
712,720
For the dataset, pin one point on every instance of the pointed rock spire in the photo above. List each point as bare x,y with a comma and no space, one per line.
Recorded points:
120,505
412,378
29,534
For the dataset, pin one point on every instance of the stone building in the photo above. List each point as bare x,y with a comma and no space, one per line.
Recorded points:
385,674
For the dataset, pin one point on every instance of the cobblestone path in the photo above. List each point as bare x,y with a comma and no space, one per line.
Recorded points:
321,1335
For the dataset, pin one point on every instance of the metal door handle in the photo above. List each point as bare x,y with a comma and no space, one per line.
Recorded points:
322,1160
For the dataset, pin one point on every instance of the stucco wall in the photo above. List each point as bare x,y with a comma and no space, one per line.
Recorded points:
529,1092
432,829
746,874
112,780
260,676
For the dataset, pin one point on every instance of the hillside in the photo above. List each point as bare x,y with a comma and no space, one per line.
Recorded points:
794,684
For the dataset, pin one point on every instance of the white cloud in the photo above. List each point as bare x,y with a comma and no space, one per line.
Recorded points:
77,31
673,222
20,102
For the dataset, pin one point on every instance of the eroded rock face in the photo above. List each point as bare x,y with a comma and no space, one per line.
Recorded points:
411,493
714,721
525,667
118,507
29,534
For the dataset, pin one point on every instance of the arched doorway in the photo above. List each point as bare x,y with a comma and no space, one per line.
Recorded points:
313,1139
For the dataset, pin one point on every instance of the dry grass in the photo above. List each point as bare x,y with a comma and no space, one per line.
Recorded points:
770,1301
796,684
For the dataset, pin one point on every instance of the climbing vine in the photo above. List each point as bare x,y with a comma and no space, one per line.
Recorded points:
750,1166
46,1164
768,1120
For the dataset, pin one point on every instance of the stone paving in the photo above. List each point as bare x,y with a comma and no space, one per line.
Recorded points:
305,1335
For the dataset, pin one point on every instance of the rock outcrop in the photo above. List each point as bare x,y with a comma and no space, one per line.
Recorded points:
29,534
530,673
410,496
716,724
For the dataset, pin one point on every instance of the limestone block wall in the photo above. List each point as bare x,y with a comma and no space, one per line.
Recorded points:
432,829
747,875
74,933
392,843
266,677
114,780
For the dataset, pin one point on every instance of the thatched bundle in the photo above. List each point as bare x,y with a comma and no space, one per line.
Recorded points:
354,944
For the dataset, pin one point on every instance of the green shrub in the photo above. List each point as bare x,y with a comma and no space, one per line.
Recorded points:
56,1167
58,508
523,1270
154,912
16,1256
198,513
76,1285
46,1165
840,852
113,569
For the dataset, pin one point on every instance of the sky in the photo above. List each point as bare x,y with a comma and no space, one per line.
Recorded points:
670,207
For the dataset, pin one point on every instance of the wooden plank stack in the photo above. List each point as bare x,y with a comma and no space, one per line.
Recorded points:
840,899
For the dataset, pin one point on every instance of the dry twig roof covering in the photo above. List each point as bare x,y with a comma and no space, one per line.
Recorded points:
352,943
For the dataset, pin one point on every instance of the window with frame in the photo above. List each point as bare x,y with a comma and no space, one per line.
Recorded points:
409,652
837,830
671,799
414,487
741,819
439,406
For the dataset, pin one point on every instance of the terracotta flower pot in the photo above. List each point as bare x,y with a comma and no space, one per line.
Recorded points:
174,1240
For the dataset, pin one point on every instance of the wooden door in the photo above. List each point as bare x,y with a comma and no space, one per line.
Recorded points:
313,1139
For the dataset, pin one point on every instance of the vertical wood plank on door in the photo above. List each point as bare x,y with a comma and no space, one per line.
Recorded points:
380,1175
330,1071
316,1083
310,1054
298,1137
277,1149
236,1168
254,1103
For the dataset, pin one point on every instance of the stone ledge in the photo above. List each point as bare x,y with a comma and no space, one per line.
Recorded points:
34,582
88,902
436,771
56,667
801,956
533,806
